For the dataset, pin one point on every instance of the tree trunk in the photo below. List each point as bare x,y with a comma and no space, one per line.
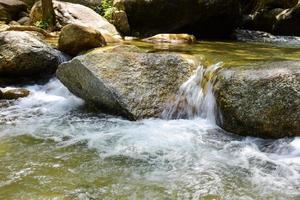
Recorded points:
48,14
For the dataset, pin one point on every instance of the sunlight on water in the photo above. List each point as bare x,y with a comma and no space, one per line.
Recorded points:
232,54
51,147
195,97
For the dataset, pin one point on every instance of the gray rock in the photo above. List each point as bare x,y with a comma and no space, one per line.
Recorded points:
262,100
89,3
24,21
132,83
15,93
10,9
25,54
69,13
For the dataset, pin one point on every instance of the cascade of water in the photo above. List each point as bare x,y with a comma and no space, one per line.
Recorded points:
195,97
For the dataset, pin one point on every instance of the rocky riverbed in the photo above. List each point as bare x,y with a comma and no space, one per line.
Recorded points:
139,104
53,139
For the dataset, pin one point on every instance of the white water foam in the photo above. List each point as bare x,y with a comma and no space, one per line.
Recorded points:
195,97
186,159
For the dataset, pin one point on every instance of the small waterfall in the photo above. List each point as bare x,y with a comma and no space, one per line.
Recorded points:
195,97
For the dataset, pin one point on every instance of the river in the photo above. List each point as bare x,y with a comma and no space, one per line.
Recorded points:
53,146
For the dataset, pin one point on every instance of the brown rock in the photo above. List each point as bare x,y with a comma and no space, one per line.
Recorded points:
69,13
75,38
172,38
15,93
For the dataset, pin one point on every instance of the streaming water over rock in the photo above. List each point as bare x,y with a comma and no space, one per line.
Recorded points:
52,146
195,97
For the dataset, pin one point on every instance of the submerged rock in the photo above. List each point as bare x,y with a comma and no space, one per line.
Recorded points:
14,93
25,54
172,38
74,38
69,13
132,84
202,18
262,100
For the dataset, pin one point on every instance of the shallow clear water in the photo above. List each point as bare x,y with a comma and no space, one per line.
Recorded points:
231,53
53,147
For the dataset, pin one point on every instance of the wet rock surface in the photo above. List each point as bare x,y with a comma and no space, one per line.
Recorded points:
69,13
10,94
260,100
25,54
132,84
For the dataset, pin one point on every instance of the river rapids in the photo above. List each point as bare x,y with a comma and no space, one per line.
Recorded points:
52,146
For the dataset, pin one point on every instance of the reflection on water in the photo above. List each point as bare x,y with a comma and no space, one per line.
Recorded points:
231,53
53,148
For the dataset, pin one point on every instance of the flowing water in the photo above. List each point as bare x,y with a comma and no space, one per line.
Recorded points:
52,146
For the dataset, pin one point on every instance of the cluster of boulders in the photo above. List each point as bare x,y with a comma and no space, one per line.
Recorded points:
13,11
259,100
26,55
128,81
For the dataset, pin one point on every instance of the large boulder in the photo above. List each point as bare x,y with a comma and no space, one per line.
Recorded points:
25,54
69,13
127,82
262,100
74,38
202,18
10,9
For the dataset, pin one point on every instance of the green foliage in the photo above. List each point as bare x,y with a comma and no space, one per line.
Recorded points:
109,12
42,24
106,9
